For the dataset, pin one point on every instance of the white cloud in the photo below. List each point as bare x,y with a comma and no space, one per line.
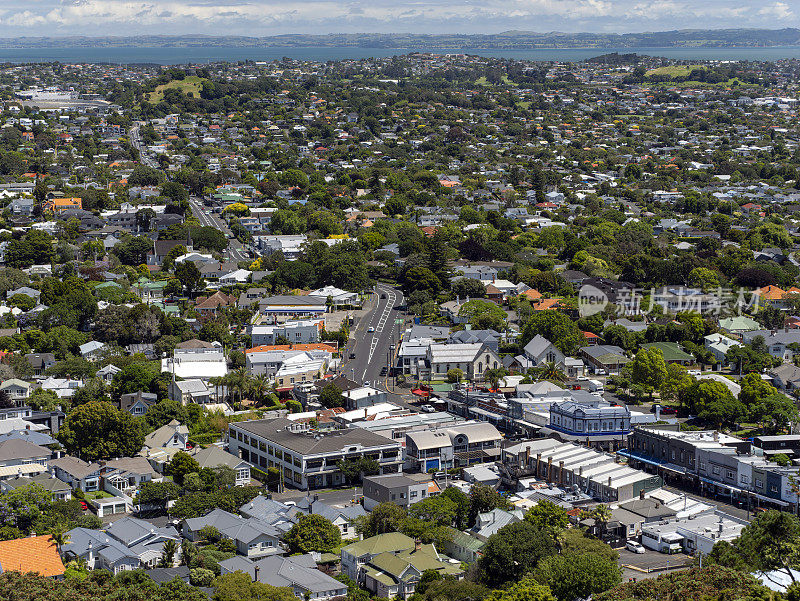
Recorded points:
778,10
265,17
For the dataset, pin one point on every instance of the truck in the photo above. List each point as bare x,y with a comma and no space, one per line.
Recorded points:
595,386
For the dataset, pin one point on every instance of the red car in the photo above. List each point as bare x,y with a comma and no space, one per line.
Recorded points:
84,506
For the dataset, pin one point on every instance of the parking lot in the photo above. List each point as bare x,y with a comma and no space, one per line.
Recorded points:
649,564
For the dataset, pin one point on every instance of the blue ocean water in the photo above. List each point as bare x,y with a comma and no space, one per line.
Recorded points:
195,55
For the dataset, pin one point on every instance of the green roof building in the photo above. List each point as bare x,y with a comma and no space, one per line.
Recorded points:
672,352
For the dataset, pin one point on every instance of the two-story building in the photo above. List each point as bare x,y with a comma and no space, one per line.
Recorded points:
308,458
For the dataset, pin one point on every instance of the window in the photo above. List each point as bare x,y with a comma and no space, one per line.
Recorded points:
729,474
702,465
773,488
714,469
758,483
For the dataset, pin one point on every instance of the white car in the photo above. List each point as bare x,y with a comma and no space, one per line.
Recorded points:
634,547
370,329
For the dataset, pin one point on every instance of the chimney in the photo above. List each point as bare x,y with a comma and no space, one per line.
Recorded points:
560,473
609,482
641,495
256,570
417,544
549,468
90,555
538,461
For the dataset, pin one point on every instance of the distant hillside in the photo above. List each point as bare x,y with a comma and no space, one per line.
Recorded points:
690,38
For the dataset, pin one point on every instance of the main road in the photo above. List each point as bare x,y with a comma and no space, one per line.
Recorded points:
235,250
136,141
375,337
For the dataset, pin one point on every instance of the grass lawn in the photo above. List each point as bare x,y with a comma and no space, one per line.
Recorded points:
191,83
674,70
99,494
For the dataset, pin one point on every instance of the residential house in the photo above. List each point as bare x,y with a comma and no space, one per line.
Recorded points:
59,491
671,351
107,373
33,554
253,538
40,362
124,545
18,390
391,565
778,341
213,456
208,306
190,391
474,360
786,377
719,345
16,452
605,359
344,517
298,573
137,403
172,435
540,350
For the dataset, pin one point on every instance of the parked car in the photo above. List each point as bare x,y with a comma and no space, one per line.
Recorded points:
352,355
634,547
370,329
84,506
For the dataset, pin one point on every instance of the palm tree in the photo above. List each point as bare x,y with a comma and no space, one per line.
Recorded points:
189,552
60,538
601,515
168,554
259,387
550,371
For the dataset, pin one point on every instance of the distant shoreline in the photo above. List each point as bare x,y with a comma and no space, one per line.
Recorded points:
199,55
510,40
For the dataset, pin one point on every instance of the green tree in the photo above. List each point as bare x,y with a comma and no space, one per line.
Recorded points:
313,533
649,369
526,589
571,576
385,517
239,586
713,402
189,276
557,327
513,552
167,559
98,430
181,464
331,396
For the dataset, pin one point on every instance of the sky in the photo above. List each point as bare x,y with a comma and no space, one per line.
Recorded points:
271,17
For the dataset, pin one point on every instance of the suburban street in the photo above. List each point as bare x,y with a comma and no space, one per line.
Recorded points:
136,142
235,250
372,348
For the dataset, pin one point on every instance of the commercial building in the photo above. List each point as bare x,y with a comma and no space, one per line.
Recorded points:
456,446
401,489
567,465
306,458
